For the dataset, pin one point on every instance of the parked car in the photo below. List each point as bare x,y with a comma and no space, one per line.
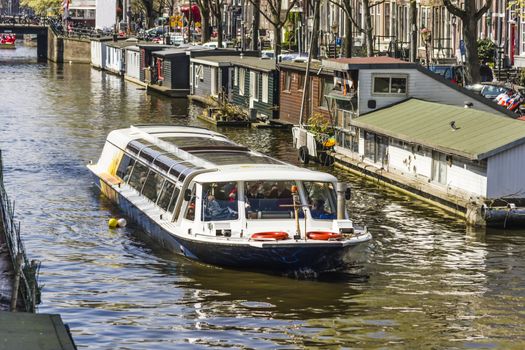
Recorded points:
176,39
215,44
454,73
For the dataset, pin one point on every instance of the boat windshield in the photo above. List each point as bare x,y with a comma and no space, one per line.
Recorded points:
321,200
269,200
219,201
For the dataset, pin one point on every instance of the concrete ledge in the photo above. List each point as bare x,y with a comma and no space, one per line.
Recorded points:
135,81
452,204
168,92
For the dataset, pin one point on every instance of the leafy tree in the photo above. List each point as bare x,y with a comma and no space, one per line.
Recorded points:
470,15
486,50
42,7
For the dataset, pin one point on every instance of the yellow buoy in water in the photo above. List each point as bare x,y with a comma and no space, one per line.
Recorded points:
113,223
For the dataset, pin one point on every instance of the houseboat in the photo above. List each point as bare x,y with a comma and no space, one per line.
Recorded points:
205,197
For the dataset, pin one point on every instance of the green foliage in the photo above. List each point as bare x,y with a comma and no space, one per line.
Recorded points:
321,126
44,7
486,50
521,77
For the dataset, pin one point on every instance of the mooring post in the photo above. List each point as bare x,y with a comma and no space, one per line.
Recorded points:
16,282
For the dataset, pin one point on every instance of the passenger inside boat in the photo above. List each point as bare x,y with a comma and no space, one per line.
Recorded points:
219,201
269,200
321,200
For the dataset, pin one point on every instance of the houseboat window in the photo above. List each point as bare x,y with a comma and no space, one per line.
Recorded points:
390,84
269,200
287,81
326,87
321,200
125,167
242,81
152,185
219,201
200,72
300,81
265,87
214,81
138,176
190,209
236,76
168,196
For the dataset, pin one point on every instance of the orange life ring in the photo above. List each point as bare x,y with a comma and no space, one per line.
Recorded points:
277,235
323,235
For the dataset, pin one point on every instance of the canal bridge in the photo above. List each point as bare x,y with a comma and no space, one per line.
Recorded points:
22,25
53,42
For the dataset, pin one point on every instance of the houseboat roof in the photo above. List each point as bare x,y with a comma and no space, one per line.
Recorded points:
124,43
315,66
181,151
179,51
465,132
256,63
344,64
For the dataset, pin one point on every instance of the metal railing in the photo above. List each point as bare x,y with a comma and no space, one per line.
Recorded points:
26,272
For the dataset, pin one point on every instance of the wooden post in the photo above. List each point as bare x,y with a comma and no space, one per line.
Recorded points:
16,282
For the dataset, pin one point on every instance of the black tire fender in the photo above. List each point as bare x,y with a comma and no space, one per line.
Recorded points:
303,155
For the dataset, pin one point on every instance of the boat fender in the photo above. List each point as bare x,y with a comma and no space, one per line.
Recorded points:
276,235
114,223
303,155
324,236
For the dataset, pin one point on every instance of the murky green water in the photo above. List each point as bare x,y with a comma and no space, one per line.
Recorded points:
430,282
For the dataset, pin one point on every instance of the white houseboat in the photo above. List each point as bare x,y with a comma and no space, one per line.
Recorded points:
209,199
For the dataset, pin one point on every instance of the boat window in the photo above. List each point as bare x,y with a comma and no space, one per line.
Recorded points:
321,200
138,176
125,167
173,201
269,200
219,201
190,209
152,185
166,196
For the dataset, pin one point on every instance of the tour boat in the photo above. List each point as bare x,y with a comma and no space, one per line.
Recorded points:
201,195
7,41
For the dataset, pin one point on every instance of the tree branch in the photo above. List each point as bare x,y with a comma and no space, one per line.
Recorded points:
453,9
346,8
484,9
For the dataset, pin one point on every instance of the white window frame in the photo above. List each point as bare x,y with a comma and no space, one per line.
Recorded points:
253,86
236,76
265,87
390,76
522,39
242,81
214,81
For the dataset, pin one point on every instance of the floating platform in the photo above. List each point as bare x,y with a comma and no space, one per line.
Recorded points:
21,330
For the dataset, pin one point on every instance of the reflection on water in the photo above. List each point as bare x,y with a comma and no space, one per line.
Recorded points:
430,282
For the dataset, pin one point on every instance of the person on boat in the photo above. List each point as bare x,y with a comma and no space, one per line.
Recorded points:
318,210
253,195
214,211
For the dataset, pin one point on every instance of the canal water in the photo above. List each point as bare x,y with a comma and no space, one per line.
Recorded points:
430,282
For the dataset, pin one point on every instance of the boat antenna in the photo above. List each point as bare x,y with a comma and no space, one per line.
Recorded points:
307,75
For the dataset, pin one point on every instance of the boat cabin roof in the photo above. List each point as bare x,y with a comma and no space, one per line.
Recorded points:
180,151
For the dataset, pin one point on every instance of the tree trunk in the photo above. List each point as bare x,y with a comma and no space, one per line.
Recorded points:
413,31
348,36
205,24
471,50
277,40
368,29
254,44
220,32
314,42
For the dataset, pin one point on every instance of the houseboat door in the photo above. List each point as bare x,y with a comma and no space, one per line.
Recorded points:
439,167
231,81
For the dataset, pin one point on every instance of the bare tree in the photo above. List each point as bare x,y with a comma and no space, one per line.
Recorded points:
205,10
470,16
216,7
277,16
367,29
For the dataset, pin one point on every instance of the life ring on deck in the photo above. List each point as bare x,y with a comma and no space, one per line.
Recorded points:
277,235
324,235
